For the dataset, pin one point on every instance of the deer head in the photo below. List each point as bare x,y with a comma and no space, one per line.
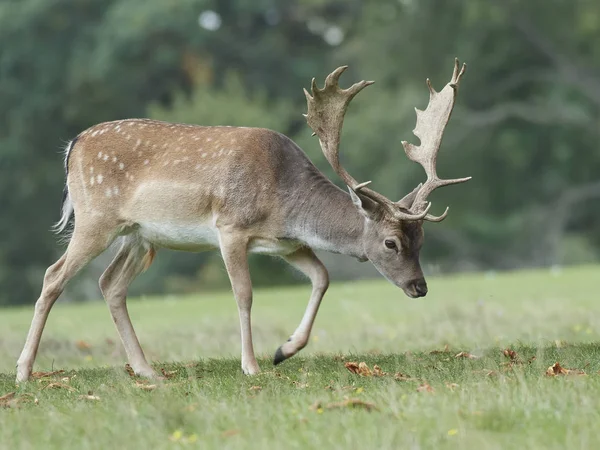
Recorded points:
393,231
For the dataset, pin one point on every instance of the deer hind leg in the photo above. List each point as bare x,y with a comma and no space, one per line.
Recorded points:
133,257
84,246
307,262
235,256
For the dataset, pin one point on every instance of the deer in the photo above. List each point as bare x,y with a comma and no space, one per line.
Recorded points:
147,184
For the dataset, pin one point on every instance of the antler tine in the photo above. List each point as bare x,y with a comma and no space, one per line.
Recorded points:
401,215
430,127
432,218
326,110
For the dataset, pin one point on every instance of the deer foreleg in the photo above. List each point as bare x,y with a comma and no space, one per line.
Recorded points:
235,255
306,261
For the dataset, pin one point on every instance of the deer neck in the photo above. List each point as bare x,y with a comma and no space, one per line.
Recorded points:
329,221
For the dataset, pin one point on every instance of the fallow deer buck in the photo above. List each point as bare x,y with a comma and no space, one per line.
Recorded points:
152,184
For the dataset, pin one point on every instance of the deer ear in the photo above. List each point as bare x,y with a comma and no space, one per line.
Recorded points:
407,201
365,205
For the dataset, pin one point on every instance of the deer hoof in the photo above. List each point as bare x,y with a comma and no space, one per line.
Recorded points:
279,357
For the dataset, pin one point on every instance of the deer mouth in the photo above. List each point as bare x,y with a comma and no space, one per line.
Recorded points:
415,289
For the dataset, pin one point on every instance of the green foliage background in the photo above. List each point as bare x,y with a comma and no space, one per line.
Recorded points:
526,126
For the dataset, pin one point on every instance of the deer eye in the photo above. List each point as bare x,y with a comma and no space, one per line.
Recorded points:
389,243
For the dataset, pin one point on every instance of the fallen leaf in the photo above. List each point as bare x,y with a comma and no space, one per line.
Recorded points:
129,370
89,397
300,385
556,369
377,372
437,352
255,388
465,355
425,388
348,403
168,374
6,400
511,354
83,345
452,386
352,367
47,374
143,385
359,369
11,400
399,376
60,386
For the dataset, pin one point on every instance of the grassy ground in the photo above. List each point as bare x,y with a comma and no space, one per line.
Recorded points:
440,400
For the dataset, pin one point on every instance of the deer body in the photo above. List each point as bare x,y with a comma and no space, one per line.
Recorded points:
176,185
153,184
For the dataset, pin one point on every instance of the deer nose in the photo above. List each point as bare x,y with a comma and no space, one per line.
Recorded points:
420,287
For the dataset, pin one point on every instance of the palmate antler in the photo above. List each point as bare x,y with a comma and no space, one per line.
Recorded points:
326,110
430,129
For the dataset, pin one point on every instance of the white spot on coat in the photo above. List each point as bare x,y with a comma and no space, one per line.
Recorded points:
92,181
121,166
108,192
146,162
114,159
99,178
105,158
99,155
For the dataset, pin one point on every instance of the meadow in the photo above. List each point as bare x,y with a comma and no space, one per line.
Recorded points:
465,367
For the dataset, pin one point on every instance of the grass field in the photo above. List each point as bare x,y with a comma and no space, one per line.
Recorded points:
312,400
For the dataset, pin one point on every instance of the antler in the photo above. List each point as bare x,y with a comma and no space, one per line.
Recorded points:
430,129
326,110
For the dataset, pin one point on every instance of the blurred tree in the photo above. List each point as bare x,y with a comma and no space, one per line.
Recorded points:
525,126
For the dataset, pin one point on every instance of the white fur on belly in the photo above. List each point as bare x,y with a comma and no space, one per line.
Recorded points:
181,236
202,236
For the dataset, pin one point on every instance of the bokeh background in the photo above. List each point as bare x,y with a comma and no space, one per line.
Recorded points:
526,125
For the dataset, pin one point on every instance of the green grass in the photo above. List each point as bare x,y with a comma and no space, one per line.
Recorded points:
207,403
